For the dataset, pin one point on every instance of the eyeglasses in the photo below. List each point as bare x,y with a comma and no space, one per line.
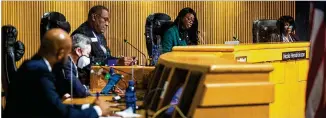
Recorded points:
190,19
105,18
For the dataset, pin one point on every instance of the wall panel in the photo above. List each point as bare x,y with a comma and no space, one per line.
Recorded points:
218,20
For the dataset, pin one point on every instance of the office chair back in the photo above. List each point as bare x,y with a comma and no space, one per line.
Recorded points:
156,25
12,51
263,30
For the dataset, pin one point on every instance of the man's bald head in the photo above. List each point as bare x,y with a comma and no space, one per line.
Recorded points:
56,42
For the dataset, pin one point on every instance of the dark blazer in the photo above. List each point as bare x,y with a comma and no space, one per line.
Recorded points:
171,38
96,51
33,95
64,74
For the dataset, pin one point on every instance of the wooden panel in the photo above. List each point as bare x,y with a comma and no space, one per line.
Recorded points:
190,87
218,20
235,78
159,88
238,94
178,79
254,111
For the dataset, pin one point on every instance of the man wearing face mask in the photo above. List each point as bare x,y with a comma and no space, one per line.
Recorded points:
33,94
64,72
95,26
81,50
68,75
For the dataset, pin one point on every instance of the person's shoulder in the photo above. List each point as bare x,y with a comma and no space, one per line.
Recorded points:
82,29
172,29
68,64
33,65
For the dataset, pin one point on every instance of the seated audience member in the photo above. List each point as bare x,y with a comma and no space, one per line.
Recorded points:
184,31
81,48
286,26
96,24
33,93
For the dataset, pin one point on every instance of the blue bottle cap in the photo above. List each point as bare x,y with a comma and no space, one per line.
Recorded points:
111,71
131,83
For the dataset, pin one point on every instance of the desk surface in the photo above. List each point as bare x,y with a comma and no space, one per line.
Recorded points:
90,99
125,67
240,47
87,100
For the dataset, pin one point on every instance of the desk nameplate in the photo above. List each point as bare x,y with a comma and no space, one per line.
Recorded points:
293,55
241,59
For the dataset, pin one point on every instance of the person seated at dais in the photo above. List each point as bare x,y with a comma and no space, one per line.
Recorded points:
33,93
95,26
65,72
78,59
286,26
184,31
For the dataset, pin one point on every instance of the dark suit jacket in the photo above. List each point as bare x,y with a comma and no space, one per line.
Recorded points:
33,95
96,51
64,74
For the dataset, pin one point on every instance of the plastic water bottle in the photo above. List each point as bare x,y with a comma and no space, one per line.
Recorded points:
131,96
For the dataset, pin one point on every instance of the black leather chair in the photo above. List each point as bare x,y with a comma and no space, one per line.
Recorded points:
12,51
264,30
156,25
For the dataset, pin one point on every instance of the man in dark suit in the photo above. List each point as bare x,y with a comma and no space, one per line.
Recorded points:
65,73
78,59
33,94
96,24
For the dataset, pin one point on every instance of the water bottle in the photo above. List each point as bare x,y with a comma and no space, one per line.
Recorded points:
131,96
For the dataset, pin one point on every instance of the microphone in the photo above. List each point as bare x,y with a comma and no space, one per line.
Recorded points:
125,40
235,38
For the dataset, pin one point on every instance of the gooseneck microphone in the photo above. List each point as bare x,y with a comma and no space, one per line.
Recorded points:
126,41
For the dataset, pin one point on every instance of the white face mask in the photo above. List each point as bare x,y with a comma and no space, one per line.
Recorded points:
83,61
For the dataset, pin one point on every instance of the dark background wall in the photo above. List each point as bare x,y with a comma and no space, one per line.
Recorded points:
302,9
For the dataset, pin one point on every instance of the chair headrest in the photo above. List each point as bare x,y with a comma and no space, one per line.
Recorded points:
9,34
51,20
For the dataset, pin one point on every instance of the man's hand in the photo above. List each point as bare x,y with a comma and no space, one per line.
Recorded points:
126,61
65,97
105,107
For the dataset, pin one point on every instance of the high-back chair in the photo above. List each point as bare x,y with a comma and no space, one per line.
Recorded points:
264,30
12,51
156,25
